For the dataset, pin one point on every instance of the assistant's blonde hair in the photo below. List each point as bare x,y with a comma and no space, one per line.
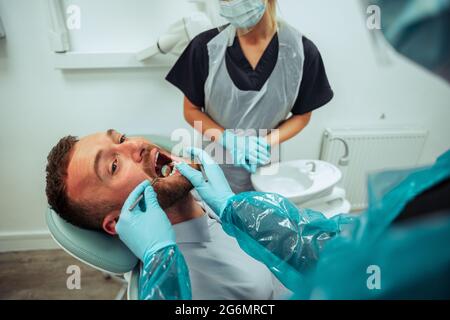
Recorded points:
272,8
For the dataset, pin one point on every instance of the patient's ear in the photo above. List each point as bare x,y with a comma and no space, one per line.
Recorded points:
110,221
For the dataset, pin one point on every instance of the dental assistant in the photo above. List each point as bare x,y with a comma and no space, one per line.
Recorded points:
254,74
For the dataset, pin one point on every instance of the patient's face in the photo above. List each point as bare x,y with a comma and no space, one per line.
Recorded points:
107,166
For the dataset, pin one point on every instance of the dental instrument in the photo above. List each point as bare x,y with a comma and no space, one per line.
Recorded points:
202,169
148,233
217,192
131,208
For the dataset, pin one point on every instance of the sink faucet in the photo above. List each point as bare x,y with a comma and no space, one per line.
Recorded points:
313,167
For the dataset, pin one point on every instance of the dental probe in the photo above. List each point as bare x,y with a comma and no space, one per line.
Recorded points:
131,208
203,170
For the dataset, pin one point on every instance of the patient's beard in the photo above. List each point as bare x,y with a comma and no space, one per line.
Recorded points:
170,191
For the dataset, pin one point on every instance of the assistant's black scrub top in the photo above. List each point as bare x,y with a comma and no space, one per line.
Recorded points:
190,72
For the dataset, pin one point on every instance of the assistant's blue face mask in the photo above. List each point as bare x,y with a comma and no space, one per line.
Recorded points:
243,14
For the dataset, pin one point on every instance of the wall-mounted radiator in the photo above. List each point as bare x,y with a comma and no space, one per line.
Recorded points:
371,151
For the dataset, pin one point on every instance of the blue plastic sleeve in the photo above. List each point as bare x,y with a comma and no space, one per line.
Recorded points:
165,276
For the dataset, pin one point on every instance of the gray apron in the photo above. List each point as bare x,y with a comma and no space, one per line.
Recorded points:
233,108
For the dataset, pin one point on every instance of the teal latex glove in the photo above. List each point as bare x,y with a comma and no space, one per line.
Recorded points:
248,152
216,192
146,229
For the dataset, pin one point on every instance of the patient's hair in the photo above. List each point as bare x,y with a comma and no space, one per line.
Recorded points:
86,215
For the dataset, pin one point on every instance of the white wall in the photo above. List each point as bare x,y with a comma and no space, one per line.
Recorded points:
364,89
38,104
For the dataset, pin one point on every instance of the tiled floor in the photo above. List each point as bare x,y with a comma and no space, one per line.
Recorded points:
42,275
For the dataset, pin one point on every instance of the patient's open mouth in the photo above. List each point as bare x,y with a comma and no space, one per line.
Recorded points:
161,164
164,165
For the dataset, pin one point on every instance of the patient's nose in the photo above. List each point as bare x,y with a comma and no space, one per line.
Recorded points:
134,150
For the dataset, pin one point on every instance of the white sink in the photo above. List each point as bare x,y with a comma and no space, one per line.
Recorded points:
296,180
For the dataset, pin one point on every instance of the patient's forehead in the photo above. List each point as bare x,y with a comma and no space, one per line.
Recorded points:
80,173
95,138
85,150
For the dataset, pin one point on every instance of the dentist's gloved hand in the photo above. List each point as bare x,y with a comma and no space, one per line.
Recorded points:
146,229
216,191
248,152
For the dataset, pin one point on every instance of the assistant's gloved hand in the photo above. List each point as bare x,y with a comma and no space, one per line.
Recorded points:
248,152
216,191
146,229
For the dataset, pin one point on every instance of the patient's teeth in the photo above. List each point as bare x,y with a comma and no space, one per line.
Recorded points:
174,170
166,171
156,157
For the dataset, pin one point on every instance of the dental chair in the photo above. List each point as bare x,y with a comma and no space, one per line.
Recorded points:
99,250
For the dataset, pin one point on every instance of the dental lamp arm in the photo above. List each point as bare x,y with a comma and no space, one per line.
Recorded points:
177,36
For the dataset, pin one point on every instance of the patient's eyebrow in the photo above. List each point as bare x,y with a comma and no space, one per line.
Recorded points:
98,156
110,133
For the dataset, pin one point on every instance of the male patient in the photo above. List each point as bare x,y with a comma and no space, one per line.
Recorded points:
88,180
